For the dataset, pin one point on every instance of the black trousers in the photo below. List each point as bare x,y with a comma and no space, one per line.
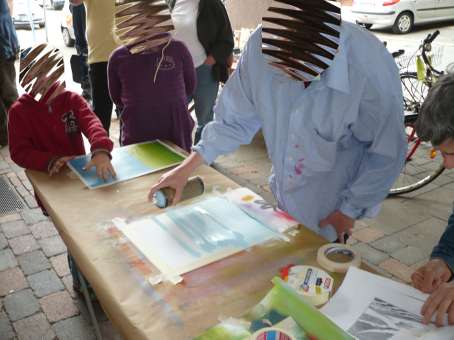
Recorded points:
8,95
102,104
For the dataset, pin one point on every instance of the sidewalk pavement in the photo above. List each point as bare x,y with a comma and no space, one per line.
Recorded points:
36,296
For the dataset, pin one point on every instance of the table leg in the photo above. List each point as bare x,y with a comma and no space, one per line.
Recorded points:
94,321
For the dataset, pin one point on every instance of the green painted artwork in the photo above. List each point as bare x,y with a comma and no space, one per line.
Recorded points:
129,162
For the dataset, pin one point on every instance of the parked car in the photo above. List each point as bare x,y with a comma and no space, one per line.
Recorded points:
54,4
66,26
402,15
27,13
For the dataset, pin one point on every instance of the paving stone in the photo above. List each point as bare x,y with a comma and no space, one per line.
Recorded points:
15,229
15,181
9,218
7,259
368,234
23,244
30,200
58,306
372,255
33,262
68,282
6,331
76,328
409,255
45,283
398,269
60,264
33,216
396,216
43,229
388,244
21,304
12,280
52,246
436,203
34,327
3,241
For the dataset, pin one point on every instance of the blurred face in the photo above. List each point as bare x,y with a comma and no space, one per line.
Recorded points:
447,151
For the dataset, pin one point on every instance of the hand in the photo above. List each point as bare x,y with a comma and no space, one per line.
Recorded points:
430,276
104,168
441,303
342,223
58,164
176,179
210,60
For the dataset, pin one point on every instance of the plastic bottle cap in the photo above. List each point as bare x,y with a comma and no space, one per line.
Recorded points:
159,199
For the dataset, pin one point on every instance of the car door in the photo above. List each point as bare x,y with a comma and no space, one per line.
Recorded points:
427,9
446,9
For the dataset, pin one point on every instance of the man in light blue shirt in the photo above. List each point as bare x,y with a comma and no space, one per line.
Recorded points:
336,146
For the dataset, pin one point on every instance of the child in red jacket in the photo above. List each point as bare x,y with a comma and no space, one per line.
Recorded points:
47,122
45,133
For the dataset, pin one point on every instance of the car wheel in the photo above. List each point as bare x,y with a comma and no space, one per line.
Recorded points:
67,37
403,23
366,26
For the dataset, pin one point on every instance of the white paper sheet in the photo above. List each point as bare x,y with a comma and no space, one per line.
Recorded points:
189,237
372,307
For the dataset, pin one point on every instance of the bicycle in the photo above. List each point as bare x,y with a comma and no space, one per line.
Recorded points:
422,164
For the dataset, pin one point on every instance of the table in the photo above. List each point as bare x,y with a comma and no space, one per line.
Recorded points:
225,288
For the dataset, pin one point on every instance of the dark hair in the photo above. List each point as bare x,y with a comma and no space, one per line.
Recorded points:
436,120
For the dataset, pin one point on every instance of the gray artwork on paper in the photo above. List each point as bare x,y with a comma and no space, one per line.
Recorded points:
383,321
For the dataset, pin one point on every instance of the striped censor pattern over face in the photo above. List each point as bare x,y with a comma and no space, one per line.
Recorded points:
141,25
41,68
301,37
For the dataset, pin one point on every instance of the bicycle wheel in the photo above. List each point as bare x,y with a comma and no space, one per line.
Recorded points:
414,92
422,164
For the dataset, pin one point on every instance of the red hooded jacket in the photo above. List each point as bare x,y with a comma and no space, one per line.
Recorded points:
40,133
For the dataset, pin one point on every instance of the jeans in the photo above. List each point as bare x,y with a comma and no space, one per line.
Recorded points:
8,95
102,104
204,98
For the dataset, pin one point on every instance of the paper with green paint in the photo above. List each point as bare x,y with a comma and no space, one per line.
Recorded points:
129,162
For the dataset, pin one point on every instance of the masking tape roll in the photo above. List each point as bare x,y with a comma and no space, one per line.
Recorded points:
313,283
271,333
341,250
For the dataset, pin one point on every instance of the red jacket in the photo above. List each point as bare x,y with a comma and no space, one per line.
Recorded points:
40,133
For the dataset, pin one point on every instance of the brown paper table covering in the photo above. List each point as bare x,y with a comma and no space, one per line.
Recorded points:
141,311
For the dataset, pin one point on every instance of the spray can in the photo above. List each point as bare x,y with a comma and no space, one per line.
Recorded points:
193,188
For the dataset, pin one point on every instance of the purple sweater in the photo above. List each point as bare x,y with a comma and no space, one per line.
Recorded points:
153,109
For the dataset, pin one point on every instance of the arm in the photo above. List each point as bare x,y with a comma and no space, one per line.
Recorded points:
380,126
91,126
445,248
11,6
222,48
23,151
236,120
188,70
76,2
114,81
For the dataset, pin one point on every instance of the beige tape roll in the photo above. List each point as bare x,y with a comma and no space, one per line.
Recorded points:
339,250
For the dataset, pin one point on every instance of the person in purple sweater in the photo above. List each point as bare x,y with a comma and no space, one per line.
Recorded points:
150,77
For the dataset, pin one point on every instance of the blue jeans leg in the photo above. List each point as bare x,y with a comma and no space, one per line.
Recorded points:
204,98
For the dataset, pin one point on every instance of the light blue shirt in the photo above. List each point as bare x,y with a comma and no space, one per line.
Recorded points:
337,145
